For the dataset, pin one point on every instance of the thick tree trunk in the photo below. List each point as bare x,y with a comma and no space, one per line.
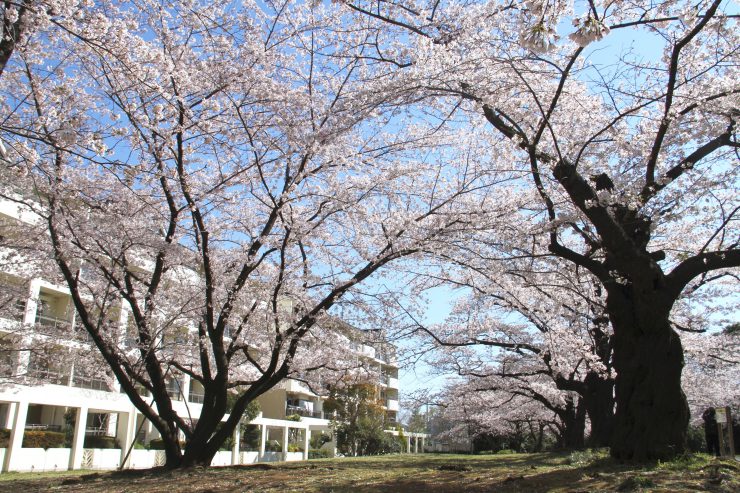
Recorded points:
573,420
198,453
599,401
652,413
172,452
540,437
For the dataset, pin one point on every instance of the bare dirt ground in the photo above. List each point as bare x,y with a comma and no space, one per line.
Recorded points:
583,472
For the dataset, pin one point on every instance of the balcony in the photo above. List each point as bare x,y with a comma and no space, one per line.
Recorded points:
55,326
302,411
49,376
392,382
92,383
174,390
13,311
174,394
386,355
196,397
391,404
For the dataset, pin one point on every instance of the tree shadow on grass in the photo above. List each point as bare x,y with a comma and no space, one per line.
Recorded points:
602,475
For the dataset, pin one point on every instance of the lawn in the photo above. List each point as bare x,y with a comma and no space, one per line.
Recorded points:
578,472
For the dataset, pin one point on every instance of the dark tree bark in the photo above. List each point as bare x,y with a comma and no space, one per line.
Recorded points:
652,413
598,398
573,425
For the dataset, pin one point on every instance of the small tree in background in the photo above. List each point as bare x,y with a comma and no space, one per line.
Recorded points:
359,421
417,421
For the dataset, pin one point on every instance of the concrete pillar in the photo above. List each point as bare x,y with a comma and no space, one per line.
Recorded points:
29,319
306,439
422,444
263,442
78,442
285,442
34,288
126,434
408,444
416,445
235,459
9,416
15,441
185,387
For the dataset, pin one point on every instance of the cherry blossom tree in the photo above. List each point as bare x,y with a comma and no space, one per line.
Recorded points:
536,326
214,178
536,323
712,371
472,409
632,150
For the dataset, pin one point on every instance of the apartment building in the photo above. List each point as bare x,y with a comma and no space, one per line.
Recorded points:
44,389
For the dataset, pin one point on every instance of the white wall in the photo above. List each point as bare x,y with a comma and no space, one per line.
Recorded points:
38,459
103,459
222,458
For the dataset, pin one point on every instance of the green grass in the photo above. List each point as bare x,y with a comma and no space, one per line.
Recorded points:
587,471
13,476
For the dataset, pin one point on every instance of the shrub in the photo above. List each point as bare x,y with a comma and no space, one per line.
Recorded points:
695,440
320,439
4,438
294,447
506,451
580,458
273,446
101,442
318,453
227,444
43,439
156,444
250,437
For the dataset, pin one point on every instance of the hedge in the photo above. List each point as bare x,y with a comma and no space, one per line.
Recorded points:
318,453
43,439
158,444
4,438
101,442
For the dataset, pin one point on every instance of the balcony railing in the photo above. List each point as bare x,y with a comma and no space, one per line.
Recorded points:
54,323
90,383
54,326
98,432
42,427
50,376
12,312
302,411
385,355
196,397
174,394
